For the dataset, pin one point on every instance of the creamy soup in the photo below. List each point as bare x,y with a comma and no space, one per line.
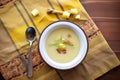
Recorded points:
62,45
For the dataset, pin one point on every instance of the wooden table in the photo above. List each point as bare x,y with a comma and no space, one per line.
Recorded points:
106,15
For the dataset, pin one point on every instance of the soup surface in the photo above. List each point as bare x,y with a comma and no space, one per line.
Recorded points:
62,45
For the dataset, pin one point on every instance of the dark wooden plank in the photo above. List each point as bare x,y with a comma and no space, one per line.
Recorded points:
111,35
103,9
112,26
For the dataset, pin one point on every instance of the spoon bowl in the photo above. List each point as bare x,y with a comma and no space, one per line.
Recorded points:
30,33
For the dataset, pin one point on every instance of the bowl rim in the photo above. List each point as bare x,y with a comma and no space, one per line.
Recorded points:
78,27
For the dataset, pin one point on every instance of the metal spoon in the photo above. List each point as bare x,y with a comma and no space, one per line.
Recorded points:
31,36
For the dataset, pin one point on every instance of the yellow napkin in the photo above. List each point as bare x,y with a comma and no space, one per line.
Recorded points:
14,20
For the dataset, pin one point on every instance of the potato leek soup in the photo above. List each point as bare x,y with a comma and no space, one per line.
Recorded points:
62,45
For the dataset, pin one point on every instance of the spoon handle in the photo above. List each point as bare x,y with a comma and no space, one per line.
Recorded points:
30,68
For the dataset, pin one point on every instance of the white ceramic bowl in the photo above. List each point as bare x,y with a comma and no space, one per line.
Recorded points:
83,45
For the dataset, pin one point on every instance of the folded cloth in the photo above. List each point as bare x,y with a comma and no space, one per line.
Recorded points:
15,18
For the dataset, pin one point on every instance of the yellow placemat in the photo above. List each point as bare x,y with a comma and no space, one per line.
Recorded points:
14,20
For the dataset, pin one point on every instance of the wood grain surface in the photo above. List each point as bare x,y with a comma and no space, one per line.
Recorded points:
106,15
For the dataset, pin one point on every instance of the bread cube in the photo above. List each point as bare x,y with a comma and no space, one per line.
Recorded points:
66,14
35,12
77,17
